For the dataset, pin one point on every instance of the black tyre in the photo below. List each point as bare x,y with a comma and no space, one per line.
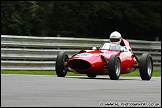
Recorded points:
61,61
91,75
146,66
114,67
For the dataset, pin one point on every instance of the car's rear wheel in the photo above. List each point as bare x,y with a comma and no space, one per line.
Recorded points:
61,61
114,67
91,75
146,66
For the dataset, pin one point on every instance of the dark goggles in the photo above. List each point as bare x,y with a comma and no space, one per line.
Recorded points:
114,40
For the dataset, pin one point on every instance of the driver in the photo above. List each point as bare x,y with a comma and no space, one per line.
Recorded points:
115,40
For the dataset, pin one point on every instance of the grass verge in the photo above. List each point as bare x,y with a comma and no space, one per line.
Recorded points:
156,73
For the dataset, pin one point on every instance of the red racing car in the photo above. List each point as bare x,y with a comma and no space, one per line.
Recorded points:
105,61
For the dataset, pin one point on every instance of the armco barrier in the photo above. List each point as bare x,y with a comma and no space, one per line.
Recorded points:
39,53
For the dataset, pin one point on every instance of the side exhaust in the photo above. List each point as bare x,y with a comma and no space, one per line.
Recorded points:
104,59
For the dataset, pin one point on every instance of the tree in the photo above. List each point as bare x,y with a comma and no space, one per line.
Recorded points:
16,17
44,17
95,19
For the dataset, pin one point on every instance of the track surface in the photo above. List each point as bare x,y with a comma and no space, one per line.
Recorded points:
74,91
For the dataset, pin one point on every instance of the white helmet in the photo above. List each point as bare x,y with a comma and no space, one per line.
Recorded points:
115,38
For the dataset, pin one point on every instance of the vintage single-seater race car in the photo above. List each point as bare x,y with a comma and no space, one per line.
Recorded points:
105,60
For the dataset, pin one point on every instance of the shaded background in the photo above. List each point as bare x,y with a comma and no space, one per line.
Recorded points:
140,20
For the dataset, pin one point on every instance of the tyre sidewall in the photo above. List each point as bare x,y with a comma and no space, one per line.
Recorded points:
60,68
111,67
143,66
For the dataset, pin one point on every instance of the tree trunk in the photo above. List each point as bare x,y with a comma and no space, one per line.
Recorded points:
43,26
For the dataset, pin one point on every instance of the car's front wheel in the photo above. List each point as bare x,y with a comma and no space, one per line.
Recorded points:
114,67
61,61
146,66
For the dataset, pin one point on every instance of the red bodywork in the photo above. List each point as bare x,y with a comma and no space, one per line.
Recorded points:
90,61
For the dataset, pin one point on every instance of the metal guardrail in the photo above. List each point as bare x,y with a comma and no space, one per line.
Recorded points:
39,53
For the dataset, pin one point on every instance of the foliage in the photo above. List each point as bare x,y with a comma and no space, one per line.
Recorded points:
92,19
17,17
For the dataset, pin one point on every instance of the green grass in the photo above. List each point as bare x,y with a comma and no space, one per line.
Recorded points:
156,73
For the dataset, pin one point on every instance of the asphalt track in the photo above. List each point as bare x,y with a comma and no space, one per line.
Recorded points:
74,91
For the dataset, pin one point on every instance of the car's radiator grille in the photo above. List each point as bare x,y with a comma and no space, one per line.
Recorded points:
79,64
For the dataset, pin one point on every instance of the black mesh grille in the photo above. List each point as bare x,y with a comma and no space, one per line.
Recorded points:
79,64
